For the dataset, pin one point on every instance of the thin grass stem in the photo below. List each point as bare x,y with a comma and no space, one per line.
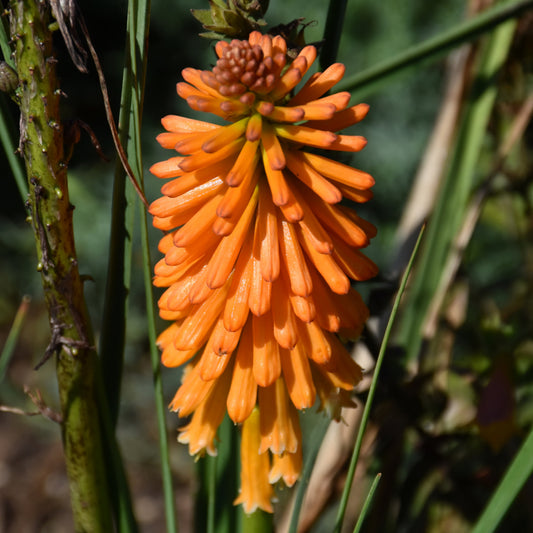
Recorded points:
372,390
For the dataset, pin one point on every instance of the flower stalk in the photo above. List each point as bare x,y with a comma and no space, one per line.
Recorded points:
42,145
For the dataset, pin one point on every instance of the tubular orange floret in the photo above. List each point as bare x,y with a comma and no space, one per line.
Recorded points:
201,431
304,135
266,363
339,171
313,179
256,491
341,120
284,323
167,169
279,188
236,307
298,377
279,426
244,165
266,244
177,124
286,466
260,290
272,148
294,260
223,260
201,159
325,264
192,392
243,391
319,84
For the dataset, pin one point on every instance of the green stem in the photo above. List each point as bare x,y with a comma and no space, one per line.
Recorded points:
332,32
51,214
372,391
438,46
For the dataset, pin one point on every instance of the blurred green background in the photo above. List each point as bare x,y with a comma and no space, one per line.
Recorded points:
443,435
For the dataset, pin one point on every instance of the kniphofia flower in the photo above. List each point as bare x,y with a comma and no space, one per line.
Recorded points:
259,254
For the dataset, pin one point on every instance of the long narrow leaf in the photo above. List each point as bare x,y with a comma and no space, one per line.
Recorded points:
459,181
515,477
437,47
367,504
372,390
311,452
332,32
13,336
6,138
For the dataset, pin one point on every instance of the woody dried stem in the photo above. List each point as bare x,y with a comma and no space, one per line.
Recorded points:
42,147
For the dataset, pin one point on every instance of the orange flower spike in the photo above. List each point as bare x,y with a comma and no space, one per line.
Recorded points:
313,229
256,492
243,391
338,221
254,128
195,250
260,233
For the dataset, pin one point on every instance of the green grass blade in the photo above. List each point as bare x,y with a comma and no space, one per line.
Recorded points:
310,454
436,47
332,32
459,182
372,391
124,199
166,474
513,480
119,491
7,134
367,504
218,484
4,44
140,35
13,336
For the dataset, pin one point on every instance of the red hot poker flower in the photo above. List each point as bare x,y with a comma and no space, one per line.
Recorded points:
260,255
